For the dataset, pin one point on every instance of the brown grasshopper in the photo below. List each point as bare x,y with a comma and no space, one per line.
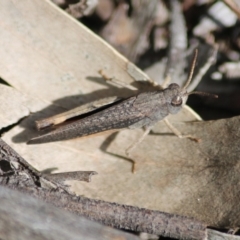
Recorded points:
141,110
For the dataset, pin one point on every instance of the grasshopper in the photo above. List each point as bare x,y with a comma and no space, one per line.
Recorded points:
141,110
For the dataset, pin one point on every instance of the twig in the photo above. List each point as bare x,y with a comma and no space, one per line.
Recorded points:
78,175
123,216
178,44
15,171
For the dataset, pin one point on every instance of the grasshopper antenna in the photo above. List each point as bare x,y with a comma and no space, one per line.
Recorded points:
191,75
191,69
203,94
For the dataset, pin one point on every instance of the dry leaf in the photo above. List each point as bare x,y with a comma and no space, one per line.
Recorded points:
15,105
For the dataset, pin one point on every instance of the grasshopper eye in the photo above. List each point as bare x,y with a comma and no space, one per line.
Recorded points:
173,85
176,101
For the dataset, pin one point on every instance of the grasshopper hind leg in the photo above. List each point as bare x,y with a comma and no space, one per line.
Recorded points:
115,81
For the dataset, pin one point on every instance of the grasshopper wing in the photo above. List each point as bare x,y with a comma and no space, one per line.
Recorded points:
118,116
78,111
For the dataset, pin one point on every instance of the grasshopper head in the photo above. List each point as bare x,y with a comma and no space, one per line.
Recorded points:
176,96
